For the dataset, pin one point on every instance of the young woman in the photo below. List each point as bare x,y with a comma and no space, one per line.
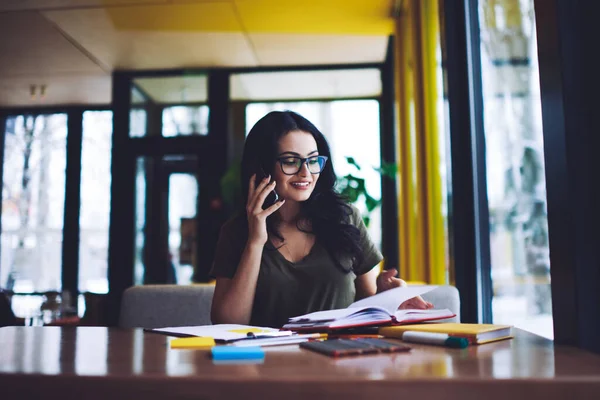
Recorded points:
309,250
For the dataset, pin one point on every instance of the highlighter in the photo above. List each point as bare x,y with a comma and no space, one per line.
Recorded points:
237,353
192,343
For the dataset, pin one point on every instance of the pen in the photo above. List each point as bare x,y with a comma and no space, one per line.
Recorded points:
440,339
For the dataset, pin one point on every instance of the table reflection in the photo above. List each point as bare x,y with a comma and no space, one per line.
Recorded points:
414,363
91,356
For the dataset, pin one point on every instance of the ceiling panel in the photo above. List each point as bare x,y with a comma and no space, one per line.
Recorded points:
72,89
186,17
94,30
274,49
16,5
36,48
306,85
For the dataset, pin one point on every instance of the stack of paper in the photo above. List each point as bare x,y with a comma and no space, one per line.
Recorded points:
224,332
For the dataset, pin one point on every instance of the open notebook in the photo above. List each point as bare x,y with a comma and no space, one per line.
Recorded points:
380,309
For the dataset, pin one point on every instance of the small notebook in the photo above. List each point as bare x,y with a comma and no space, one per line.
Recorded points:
475,333
380,309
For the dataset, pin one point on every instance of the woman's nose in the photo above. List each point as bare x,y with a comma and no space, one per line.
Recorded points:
304,171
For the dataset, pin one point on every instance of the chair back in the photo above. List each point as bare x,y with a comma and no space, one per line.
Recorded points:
445,296
156,306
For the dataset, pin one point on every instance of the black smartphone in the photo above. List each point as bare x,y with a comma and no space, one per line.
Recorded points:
271,197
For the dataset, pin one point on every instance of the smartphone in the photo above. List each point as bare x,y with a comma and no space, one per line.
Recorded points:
271,197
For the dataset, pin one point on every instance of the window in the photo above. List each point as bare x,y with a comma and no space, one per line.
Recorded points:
33,200
95,201
520,260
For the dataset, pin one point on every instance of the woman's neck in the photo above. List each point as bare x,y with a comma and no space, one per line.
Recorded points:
289,212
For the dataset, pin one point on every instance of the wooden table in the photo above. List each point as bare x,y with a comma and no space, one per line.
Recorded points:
104,363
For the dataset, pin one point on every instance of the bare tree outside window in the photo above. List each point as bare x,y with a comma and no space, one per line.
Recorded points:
33,193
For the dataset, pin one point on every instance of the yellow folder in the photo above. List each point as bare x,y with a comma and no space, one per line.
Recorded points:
476,333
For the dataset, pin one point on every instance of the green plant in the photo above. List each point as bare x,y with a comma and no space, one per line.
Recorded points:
354,189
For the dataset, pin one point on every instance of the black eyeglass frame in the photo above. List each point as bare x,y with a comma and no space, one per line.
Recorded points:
303,161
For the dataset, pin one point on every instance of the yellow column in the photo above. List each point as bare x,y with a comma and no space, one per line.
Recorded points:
418,91
406,181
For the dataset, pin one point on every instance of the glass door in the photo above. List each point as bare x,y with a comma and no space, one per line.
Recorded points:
181,210
177,202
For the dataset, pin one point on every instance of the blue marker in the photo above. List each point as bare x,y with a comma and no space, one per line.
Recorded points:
237,353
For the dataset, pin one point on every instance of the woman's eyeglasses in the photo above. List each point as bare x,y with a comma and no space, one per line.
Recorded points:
291,165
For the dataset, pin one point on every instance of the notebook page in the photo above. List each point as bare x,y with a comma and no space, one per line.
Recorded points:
391,299
411,314
329,315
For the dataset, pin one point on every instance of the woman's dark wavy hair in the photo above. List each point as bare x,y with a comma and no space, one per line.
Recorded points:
327,211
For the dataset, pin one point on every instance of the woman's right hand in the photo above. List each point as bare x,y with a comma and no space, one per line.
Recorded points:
257,217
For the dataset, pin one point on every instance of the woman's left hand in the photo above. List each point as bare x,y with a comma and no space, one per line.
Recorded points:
387,280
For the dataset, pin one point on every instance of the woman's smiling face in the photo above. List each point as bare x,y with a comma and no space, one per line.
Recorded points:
297,187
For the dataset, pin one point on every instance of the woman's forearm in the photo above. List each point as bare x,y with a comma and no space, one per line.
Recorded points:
234,306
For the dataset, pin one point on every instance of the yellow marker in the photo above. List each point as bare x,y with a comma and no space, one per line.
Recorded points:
193,343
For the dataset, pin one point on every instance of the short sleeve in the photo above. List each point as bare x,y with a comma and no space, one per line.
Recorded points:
371,255
229,250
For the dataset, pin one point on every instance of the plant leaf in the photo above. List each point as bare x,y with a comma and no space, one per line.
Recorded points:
352,161
371,203
350,193
366,220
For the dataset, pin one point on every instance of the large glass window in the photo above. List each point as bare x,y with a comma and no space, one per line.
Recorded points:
515,166
33,200
95,201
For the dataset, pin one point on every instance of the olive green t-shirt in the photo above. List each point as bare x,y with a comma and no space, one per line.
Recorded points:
286,289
